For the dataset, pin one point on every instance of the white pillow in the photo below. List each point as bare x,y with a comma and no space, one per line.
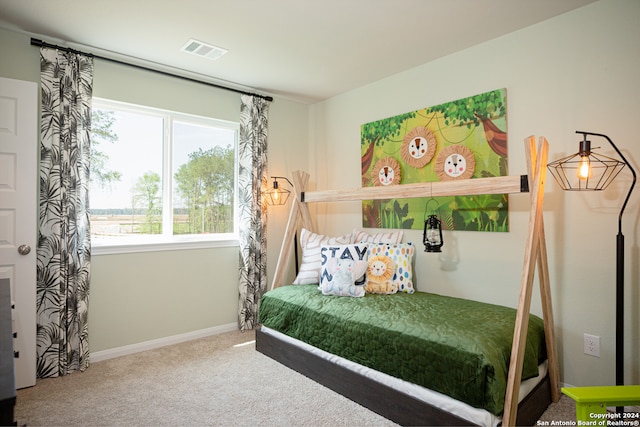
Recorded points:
379,237
311,243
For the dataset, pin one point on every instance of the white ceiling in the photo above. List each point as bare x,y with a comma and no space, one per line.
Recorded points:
300,49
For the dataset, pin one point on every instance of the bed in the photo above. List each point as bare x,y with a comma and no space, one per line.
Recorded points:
396,355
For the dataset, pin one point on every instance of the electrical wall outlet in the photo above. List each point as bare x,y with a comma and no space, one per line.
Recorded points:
592,345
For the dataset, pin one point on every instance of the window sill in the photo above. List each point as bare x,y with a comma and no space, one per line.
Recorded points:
156,245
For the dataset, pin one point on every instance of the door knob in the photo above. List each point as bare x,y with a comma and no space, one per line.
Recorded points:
24,249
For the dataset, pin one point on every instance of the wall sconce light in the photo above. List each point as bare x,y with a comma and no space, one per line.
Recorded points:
277,196
586,171
432,235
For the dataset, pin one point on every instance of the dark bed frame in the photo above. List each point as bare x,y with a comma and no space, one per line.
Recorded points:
380,398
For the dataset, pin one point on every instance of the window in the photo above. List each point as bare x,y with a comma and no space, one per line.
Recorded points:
160,179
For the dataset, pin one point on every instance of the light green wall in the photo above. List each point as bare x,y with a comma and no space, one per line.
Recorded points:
145,296
140,297
20,61
578,71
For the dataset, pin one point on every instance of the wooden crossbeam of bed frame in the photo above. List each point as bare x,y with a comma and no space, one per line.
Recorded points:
535,249
467,187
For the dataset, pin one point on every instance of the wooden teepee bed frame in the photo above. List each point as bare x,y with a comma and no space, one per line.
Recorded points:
417,412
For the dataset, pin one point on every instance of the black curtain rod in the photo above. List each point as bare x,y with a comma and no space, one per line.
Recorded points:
40,43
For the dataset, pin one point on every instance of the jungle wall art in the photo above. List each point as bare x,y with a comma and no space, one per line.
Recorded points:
462,139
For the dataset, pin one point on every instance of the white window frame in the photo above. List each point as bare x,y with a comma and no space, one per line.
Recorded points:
168,241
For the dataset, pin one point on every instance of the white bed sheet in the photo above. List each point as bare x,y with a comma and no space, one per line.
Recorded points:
434,398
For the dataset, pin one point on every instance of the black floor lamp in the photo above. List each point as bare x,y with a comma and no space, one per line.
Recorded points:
585,171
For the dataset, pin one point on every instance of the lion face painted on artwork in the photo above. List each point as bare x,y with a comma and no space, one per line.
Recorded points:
380,275
455,162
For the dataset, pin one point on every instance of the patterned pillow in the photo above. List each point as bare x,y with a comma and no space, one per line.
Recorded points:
402,256
380,272
343,269
311,243
380,237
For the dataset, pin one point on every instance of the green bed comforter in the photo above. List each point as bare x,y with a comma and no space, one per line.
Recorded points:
458,347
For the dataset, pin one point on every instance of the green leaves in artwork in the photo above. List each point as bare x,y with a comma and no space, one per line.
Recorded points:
470,111
397,216
382,129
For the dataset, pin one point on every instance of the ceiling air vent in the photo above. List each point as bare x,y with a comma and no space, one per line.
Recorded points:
203,49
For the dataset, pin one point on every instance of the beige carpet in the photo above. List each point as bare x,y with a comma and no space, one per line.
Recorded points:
218,381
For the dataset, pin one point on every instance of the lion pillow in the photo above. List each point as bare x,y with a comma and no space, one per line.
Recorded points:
402,256
380,272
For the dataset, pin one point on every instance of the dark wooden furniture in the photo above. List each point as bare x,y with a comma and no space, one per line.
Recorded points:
7,374
380,398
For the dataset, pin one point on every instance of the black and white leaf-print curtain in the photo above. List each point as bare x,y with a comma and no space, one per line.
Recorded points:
252,177
64,246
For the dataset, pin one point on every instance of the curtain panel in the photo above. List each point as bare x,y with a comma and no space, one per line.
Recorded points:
64,247
252,178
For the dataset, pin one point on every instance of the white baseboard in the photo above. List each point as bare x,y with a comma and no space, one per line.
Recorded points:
160,342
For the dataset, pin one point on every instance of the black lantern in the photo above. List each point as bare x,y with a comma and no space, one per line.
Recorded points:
432,236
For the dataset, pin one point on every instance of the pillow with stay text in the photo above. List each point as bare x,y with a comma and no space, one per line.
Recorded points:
343,269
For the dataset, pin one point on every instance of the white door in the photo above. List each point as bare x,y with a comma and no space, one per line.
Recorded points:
18,220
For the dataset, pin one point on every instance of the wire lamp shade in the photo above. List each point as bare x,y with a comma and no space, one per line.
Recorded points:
277,196
585,170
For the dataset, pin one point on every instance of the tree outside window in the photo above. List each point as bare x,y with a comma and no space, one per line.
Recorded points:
131,197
